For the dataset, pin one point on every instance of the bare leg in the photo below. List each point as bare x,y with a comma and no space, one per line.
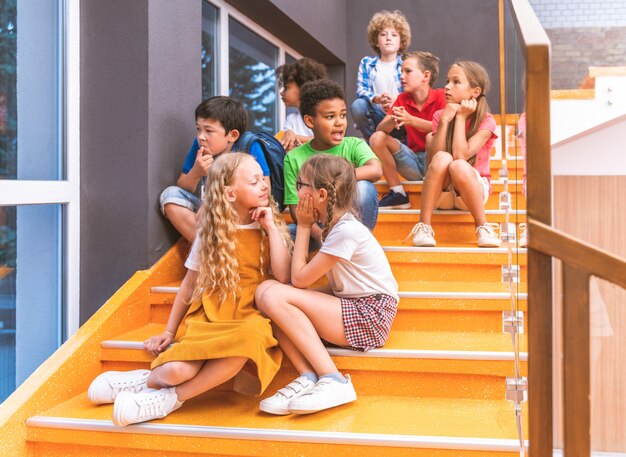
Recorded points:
436,179
213,373
291,351
385,146
183,220
464,180
303,316
174,373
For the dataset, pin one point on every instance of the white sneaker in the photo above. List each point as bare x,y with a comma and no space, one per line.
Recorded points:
523,238
109,384
487,237
131,408
279,402
327,393
423,235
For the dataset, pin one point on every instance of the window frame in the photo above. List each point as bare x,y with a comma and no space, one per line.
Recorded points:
62,191
223,81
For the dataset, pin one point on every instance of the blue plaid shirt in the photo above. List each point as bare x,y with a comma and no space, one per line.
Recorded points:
367,74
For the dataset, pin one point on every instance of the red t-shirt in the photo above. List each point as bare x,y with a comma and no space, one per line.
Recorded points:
436,100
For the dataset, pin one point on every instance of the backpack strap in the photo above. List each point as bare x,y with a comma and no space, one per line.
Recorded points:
244,143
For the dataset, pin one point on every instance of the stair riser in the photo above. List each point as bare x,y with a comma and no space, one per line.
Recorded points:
468,321
161,304
515,168
447,272
427,320
453,233
518,201
481,384
448,321
426,314
377,370
69,443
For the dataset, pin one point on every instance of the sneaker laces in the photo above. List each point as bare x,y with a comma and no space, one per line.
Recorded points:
490,228
420,227
128,385
291,389
152,406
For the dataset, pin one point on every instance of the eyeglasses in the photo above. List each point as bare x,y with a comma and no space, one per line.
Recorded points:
300,185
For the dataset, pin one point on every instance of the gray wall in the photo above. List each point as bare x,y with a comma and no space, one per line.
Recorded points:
139,85
450,29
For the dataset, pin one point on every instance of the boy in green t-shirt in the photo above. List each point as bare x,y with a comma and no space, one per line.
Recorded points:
323,109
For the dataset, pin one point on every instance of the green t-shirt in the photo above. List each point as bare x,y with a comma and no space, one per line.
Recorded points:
354,150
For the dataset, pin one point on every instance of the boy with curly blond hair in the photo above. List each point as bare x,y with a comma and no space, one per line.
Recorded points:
378,80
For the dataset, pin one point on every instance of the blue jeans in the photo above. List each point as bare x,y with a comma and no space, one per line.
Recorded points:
367,116
367,202
410,164
181,197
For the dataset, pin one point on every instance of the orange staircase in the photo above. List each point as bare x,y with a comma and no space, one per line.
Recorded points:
437,388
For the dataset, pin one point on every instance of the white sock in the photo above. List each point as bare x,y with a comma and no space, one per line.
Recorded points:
399,189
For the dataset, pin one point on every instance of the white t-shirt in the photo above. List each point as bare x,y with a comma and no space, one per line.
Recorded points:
295,122
363,268
385,79
193,259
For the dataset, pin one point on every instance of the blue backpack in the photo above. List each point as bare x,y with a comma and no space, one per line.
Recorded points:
274,155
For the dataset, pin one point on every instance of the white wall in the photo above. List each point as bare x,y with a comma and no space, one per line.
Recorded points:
571,117
599,151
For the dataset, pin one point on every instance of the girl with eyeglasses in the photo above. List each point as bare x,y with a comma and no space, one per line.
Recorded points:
357,309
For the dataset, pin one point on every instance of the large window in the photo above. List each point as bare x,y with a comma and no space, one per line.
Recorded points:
239,59
38,184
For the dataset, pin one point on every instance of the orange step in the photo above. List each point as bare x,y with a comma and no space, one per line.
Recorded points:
217,424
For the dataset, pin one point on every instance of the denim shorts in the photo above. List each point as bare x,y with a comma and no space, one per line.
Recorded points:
181,197
411,165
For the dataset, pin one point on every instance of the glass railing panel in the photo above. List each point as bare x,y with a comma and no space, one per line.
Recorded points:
512,200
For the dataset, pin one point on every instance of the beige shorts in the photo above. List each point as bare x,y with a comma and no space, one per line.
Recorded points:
450,199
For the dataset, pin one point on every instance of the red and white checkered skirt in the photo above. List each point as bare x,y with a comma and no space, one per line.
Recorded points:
367,320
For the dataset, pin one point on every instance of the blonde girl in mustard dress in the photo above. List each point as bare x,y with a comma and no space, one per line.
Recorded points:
241,237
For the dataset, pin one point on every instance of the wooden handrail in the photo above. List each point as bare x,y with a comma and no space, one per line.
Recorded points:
576,253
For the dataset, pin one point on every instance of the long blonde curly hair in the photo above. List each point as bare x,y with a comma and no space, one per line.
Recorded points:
218,219
337,176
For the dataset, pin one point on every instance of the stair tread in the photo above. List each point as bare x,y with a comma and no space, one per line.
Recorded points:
404,340
412,416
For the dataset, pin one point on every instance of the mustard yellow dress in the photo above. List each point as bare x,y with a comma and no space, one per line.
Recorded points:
235,328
